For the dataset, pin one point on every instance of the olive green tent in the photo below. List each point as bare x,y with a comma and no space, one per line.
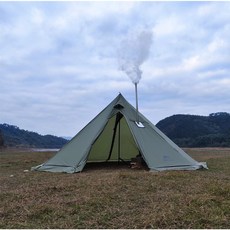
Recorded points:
114,135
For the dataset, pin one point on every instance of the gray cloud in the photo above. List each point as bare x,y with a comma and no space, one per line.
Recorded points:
58,60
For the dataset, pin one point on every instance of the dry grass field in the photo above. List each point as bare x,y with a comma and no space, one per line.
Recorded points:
117,197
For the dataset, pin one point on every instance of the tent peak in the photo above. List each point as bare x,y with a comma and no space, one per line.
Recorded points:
120,94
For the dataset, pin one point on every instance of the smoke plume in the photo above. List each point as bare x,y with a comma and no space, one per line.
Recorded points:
133,51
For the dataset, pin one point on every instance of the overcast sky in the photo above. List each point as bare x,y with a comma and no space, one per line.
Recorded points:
59,67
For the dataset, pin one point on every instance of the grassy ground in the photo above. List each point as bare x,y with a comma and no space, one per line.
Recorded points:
115,198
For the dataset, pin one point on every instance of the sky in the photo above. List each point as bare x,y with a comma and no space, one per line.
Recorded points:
59,61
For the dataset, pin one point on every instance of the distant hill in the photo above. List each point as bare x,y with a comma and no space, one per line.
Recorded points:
198,131
15,137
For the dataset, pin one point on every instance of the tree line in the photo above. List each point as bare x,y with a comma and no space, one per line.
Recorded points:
198,131
13,136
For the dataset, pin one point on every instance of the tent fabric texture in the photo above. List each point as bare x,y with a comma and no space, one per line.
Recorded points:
115,135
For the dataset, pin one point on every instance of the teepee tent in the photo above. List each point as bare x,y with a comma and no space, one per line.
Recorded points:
114,135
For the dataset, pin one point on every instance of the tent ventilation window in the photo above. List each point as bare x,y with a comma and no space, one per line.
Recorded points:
118,106
139,124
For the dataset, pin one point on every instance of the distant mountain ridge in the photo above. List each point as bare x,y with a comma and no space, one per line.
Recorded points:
198,131
13,136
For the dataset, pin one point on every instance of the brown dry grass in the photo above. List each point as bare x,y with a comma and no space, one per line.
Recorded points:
115,198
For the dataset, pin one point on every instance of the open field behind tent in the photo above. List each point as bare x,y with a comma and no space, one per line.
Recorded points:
117,197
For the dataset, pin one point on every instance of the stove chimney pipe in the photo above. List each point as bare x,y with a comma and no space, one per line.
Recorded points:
137,117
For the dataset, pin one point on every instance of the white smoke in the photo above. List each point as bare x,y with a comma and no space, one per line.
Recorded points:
133,51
